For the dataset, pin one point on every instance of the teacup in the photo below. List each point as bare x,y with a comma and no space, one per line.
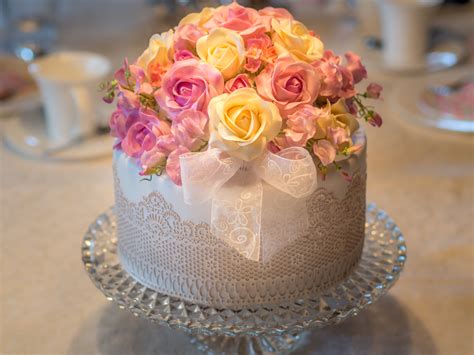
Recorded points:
405,30
69,82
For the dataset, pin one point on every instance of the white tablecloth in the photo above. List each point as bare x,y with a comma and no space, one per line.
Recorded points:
423,180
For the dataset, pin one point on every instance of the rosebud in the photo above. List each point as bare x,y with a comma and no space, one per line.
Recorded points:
374,90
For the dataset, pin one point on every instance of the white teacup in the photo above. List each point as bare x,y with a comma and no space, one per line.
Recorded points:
405,29
69,82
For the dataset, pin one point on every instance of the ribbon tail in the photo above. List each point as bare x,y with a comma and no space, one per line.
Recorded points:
237,213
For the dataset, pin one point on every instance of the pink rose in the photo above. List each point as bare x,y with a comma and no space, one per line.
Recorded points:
239,82
354,65
301,127
189,84
190,129
374,90
336,80
150,160
240,19
183,54
173,167
144,134
289,84
269,13
325,151
119,124
186,37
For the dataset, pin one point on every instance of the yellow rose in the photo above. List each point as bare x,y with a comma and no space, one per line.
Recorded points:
293,37
223,49
159,52
242,123
198,18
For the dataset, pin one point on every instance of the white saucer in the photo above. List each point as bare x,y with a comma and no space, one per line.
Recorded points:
26,135
25,99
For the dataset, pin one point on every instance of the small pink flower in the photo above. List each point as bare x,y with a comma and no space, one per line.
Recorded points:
354,65
336,80
150,160
325,151
351,106
291,138
130,76
269,13
243,20
183,54
290,84
376,120
301,127
173,166
143,134
128,101
189,84
189,129
186,36
259,50
239,82
337,136
374,90
119,124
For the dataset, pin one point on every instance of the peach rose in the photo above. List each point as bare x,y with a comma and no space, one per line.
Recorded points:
242,124
224,49
198,18
293,37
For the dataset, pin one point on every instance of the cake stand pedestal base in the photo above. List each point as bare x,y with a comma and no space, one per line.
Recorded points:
264,329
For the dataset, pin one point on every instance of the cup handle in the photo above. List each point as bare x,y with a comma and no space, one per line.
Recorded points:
84,111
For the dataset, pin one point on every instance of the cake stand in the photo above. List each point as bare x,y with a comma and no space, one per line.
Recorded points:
265,329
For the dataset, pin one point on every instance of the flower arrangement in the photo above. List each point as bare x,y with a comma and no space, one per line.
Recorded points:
243,81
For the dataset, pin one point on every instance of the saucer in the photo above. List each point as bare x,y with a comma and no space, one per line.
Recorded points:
26,135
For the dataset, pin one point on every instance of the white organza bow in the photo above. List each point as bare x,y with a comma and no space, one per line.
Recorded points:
236,190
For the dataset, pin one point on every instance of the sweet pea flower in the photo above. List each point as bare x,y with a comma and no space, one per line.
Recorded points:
374,90
243,20
354,65
338,136
186,36
300,128
143,134
325,151
173,166
376,120
151,160
119,124
259,50
183,54
128,101
189,84
290,84
190,129
239,82
269,13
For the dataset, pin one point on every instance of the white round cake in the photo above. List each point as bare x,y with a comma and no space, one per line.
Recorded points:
167,245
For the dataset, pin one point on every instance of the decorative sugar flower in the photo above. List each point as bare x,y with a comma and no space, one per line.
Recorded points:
242,123
293,37
157,57
189,84
119,124
173,167
301,126
269,13
198,18
290,84
239,82
259,51
223,49
190,129
186,36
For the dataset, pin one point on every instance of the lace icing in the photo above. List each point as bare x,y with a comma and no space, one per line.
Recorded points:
184,259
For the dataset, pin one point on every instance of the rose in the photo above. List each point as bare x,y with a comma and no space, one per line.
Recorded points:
144,134
242,124
224,49
294,38
289,84
300,128
173,166
269,13
239,82
190,129
235,17
157,57
183,54
198,18
189,84
186,36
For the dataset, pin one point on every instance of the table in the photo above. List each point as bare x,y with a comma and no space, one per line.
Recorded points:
425,182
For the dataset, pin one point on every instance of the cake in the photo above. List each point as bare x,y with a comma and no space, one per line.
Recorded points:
239,163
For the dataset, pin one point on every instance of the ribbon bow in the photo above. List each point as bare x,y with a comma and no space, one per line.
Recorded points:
237,194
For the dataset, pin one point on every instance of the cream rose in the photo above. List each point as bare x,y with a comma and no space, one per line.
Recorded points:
242,123
159,54
293,37
198,18
223,49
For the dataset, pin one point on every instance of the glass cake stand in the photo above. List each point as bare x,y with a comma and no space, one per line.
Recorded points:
265,329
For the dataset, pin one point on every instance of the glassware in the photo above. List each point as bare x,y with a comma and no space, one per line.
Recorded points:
31,26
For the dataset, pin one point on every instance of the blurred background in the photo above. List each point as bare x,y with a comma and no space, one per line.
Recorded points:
55,180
